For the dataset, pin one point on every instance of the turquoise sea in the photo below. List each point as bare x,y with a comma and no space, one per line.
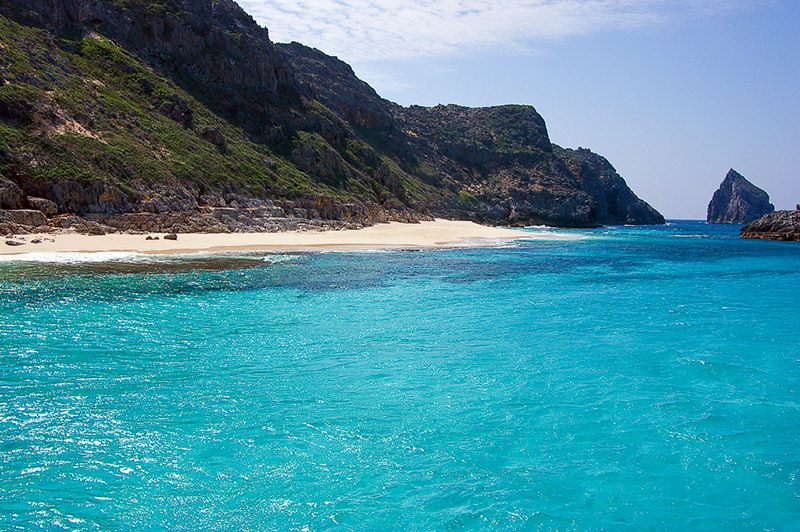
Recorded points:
636,379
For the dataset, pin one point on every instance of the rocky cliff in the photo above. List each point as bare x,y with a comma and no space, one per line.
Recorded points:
182,115
738,201
494,165
779,225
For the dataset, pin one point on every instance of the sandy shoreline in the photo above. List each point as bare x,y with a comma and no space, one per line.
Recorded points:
436,234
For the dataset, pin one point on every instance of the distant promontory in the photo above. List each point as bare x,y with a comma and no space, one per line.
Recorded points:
738,201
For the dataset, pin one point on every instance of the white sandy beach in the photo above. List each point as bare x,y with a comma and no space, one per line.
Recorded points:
437,234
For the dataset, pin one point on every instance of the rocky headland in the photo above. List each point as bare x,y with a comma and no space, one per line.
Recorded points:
183,116
738,201
779,225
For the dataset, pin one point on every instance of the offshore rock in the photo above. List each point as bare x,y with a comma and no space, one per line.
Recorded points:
779,225
738,201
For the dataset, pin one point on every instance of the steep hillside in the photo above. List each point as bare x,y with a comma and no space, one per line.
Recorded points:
182,115
494,165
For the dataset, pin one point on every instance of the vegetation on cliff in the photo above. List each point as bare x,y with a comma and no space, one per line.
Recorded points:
117,107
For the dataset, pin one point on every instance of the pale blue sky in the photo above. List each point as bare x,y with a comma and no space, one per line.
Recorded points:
673,93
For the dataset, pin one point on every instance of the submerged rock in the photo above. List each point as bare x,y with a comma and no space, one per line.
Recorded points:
779,225
738,201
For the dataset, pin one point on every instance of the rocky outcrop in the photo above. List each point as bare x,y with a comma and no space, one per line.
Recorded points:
211,46
244,215
22,221
10,194
495,164
333,83
48,208
24,217
779,225
738,201
178,110
215,137
616,203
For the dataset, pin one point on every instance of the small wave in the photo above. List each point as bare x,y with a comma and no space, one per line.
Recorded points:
363,250
277,259
74,258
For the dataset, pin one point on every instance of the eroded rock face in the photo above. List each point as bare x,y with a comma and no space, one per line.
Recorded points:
738,201
48,208
27,218
10,194
211,44
496,164
616,202
779,225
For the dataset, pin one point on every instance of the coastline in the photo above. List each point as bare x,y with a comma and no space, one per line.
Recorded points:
440,233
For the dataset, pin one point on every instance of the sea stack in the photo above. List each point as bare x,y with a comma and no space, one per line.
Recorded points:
738,201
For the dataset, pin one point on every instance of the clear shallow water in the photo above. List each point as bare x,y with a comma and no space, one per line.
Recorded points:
639,379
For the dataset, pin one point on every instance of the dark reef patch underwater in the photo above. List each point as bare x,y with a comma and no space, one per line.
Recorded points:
639,379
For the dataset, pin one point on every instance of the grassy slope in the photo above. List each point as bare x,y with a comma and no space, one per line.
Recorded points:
87,111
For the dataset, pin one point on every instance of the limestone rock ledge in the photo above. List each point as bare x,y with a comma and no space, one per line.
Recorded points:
253,216
779,225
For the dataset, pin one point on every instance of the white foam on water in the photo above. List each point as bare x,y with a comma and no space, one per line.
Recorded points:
74,258
277,259
360,250
68,257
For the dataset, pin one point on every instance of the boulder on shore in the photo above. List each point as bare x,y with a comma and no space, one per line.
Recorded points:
779,225
738,201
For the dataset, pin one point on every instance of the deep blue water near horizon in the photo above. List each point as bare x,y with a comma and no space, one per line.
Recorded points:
637,379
